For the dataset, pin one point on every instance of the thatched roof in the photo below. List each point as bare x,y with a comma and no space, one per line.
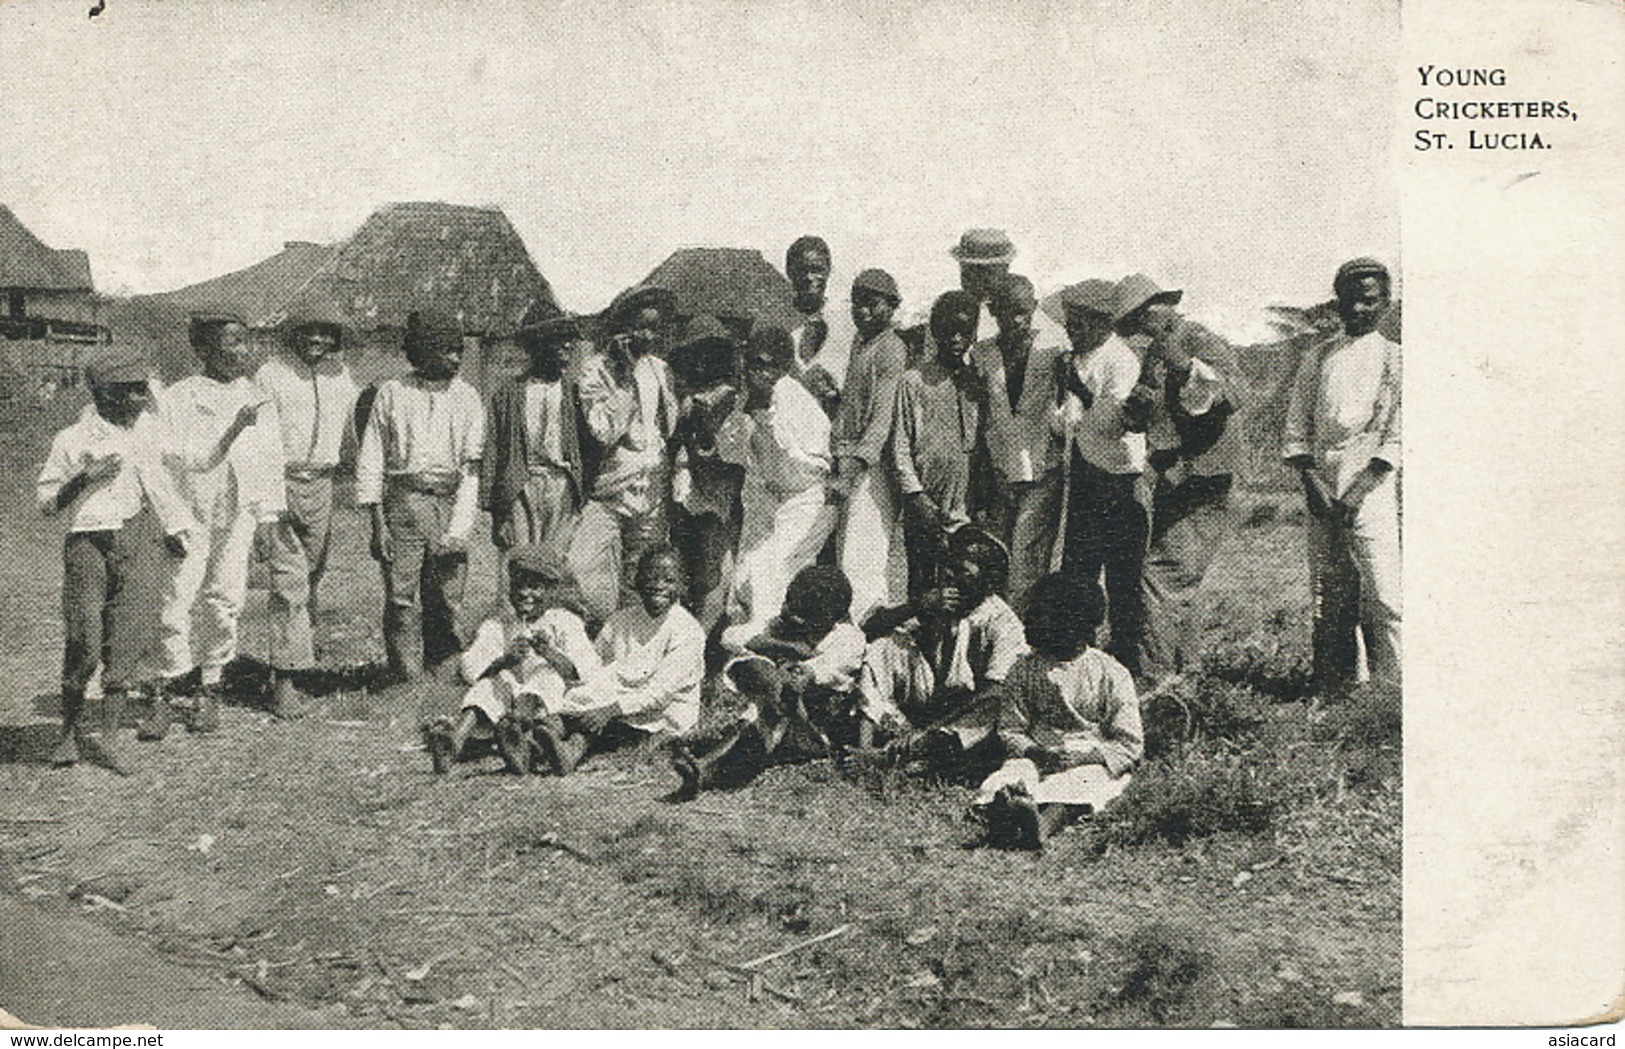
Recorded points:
731,283
256,291
28,265
461,260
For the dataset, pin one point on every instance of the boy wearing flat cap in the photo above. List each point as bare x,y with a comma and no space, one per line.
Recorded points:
106,473
224,449
417,474
315,397
869,545
1343,438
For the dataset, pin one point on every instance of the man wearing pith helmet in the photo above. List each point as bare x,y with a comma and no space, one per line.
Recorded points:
1343,438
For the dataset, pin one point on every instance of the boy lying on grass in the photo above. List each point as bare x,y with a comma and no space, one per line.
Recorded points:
799,679
519,664
653,656
1068,722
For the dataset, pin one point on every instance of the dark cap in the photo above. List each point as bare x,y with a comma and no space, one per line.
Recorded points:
545,322
117,364
530,559
702,327
774,342
1088,296
1137,290
1355,269
878,281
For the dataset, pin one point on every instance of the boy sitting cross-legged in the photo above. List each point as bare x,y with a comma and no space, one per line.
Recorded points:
520,664
653,656
1068,722
799,679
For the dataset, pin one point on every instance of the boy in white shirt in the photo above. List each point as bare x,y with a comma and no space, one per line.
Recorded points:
315,398
418,475
224,449
1343,438
105,470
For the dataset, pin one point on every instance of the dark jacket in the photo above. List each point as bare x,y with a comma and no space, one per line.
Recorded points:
505,468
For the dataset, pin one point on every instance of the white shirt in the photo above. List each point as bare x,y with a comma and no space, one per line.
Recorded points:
562,627
106,505
544,416
196,412
836,353
652,670
1109,372
1344,409
790,444
631,425
418,427
315,406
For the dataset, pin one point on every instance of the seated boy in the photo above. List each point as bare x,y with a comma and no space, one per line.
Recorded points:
519,664
799,680
653,656
936,658
1068,722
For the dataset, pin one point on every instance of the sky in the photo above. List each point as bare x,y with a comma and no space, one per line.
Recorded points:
1239,150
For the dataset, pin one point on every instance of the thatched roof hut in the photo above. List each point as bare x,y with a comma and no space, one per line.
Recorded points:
466,261
27,265
737,285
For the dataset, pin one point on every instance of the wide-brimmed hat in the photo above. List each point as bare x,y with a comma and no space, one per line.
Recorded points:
1095,296
638,297
545,322
117,364
1137,290
983,247
878,281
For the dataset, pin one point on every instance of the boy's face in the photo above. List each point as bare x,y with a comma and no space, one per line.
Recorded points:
967,574
871,311
438,356
530,594
809,280
979,279
643,330
1086,329
1013,313
1155,323
1361,304
954,335
762,372
314,345
657,585
547,358
120,403
230,358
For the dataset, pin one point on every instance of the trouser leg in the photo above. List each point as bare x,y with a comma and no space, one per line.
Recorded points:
298,557
183,580
870,549
1128,527
85,558
1188,523
444,581
595,558
1033,522
1375,546
403,576
225,587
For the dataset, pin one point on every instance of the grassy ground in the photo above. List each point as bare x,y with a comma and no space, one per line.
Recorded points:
1249,877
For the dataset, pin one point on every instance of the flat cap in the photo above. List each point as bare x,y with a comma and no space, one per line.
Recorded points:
878,281
1094,296
538,561
117,364
1365,266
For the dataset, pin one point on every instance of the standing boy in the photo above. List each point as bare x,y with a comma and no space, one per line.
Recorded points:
935,429
531,472
417,475
1343,438
1019,373
225,452
823,341
105,470
1108,517
315,397
869,548
631,407
786,515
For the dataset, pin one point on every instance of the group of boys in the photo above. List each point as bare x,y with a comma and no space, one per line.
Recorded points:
830,509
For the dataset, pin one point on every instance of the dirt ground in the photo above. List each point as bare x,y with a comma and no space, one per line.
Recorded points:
316,874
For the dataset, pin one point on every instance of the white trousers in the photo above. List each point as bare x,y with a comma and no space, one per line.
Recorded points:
203,597
778,539
869,545
1088,785
1372,542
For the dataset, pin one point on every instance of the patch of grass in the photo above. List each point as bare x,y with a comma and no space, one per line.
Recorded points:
1164,966
1202,708
1272,668
1194,794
